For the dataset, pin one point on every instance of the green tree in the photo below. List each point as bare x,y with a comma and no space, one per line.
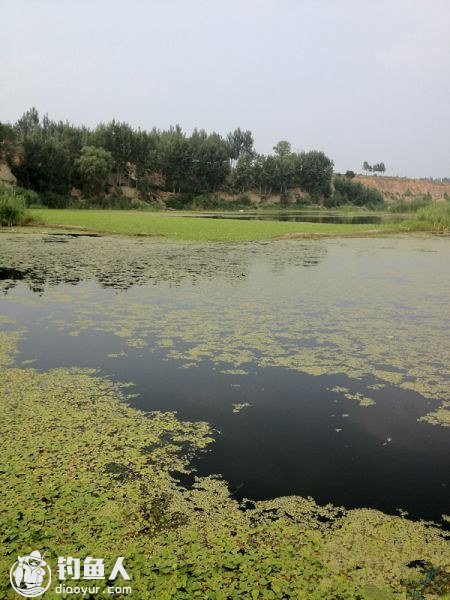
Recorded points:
282,149
258,171
44,165
176,160
8,142
239,143
284,162
366,167
145,154
245,173
118,139
314,172
379,167
94,167
210,165
270,177
28,124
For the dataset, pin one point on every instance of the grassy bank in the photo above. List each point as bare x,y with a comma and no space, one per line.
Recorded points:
198,229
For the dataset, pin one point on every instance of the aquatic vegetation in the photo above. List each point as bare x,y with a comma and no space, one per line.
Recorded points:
322,314
238,406
124,262
4,320
8,346
441,416
362,400
199,229
232,371
84,473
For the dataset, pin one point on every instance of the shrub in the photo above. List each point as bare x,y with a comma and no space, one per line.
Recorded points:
179,201
285,198
347,191
31,197
54,200
301,200
244,200
205,201
115,201
12,207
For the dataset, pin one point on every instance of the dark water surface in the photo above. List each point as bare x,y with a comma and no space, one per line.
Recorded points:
284,328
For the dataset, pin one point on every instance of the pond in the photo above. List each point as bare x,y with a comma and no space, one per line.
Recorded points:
320,364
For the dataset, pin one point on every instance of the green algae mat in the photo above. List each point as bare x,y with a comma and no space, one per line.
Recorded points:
196,229
93,465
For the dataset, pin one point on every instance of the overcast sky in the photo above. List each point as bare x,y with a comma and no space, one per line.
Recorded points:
358,79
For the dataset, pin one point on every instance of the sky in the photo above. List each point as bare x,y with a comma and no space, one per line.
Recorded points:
358,79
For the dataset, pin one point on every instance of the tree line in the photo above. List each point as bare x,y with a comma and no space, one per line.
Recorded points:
52,157
376,168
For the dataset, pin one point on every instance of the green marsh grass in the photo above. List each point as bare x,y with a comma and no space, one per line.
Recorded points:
198,229
435,218
12,207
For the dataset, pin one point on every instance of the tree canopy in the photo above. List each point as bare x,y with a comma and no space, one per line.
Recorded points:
94,167
376,168
52,157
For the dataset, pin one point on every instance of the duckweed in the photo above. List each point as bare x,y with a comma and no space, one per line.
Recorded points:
365,308
85,474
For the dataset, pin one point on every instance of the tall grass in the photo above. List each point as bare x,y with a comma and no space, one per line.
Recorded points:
413,205
435,218
12,207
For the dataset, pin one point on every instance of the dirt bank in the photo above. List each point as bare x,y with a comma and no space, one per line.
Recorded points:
394,188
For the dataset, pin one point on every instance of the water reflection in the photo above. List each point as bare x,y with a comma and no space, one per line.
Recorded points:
126,262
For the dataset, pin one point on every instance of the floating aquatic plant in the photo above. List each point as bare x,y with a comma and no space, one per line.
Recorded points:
83,473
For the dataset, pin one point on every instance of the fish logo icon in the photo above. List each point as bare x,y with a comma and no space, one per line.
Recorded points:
30,575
